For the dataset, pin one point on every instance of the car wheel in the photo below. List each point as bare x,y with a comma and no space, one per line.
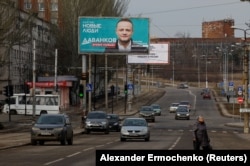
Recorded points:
70,141
123,139
33,142
63,140
106,131
153,120
147,139
41,142
87,131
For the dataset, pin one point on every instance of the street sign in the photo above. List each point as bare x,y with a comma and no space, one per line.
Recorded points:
130,86
244,109
240,100
89,87
231,84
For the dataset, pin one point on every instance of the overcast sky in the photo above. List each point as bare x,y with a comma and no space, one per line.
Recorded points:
169,17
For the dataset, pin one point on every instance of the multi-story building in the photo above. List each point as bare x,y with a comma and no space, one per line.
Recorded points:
45,9
218,29
36,40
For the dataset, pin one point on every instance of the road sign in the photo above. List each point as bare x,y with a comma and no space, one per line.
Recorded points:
89,87
231,84
130,86
244,109
240,100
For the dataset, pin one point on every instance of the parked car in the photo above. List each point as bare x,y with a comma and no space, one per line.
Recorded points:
147,113
135,128
173,107
114,122
52,127
187,103
157,109
206,95
182,113
182,86
97,121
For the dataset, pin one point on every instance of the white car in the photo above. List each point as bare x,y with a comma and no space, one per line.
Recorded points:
173,107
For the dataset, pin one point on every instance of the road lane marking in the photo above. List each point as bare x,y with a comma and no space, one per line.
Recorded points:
54,161
175,143
74,154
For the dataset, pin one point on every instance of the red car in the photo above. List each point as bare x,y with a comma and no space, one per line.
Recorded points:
206,95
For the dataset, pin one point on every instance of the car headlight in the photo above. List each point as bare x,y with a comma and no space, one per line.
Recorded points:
178,114
35,128
58,129
187,114
115,123
104,123
124,131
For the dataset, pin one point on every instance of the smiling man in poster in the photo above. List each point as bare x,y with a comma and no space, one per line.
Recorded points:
113,35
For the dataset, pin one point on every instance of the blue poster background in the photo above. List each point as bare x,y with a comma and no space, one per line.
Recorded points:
97,33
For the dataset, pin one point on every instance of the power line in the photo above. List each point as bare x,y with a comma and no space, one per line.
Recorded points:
182,9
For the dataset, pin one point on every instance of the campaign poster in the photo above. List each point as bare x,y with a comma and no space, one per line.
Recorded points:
158,54
113,35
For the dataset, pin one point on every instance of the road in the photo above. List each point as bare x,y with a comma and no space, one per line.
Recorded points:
166,134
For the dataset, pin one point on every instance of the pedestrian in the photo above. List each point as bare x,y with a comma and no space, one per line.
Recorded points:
200,136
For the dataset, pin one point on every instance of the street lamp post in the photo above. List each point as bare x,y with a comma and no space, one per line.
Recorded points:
246,80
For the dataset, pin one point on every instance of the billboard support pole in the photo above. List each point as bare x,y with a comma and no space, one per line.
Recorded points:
106,81
89,92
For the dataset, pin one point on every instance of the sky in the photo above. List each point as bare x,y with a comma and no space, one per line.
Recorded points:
170,17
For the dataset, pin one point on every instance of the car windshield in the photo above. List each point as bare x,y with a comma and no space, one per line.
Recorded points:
175,105
146,109
112,117
96,116
50,120
182,110
134,122
156,106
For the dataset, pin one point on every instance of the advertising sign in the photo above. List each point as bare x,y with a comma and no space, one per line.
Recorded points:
113,35
158,54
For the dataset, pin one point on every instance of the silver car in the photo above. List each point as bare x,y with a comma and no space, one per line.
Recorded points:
52,127
173,107
135,128
97,121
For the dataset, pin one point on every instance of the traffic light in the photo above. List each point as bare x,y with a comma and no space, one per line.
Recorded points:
112,90
8,90
81,91
26,89
125,88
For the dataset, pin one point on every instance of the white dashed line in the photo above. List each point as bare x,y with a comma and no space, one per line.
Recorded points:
54,161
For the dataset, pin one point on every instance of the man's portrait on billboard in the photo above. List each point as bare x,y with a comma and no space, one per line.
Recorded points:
124,43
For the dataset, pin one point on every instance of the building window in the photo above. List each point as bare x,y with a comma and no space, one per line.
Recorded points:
54,7
27,5
41,6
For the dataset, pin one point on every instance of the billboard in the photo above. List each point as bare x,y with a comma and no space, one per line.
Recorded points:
158,54
113,35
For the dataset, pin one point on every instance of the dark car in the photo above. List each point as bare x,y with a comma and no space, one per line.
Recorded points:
206,95
182,113
157,109
97,121
147,112
114,122
52,127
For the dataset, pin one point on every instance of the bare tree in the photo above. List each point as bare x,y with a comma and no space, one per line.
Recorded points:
67,38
